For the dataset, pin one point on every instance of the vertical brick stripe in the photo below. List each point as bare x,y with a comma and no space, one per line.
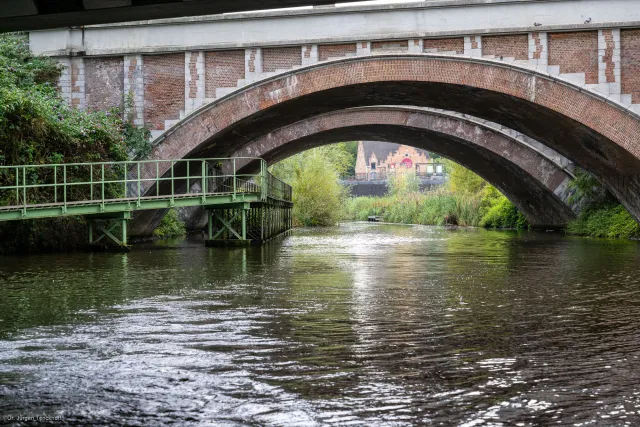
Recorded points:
163,88
539,46
608,56
281,58
252,61
512,46
193,74
223,69
575,53
630,66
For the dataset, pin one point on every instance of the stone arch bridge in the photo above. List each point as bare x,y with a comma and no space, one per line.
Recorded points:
562,75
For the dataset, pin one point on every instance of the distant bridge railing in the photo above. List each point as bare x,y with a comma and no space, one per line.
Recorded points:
37,191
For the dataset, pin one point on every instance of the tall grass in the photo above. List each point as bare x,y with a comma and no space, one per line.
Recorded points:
467,201
439,207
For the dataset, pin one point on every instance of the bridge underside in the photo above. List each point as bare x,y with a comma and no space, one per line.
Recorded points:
535,199
21,15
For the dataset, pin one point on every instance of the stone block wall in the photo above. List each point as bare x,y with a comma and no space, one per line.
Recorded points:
104,83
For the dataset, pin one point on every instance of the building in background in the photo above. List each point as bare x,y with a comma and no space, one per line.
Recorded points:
376,160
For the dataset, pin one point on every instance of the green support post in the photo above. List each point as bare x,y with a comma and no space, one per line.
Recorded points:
124,231
244,224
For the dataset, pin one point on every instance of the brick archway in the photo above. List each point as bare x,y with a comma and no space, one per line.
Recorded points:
597,134
535,183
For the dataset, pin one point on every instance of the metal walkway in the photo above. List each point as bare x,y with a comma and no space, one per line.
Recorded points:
241,207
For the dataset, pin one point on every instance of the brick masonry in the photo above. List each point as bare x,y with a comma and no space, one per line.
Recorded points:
452,45
328,51
575,53
164,78
512,46
223,69
630,63
104,83
391,46
281,58
593,58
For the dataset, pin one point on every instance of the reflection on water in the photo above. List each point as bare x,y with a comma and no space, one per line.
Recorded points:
364,324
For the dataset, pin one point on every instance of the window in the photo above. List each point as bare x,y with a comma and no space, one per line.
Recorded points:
373,166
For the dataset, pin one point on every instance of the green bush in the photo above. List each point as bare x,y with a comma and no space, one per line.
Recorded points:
170,226
611,221
498,212
602,215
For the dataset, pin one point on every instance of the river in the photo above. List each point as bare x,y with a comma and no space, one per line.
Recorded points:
362,324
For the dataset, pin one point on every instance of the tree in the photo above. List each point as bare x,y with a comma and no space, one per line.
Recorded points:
314,176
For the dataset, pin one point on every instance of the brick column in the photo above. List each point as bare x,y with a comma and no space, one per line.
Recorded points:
473,46
538,51
363,48
415,45
309,54
253,64
134,89
609,75
194,81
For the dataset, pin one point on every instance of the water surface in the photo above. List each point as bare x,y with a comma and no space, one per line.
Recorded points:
363,324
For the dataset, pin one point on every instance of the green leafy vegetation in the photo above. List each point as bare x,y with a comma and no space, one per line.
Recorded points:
314,176
38,127
466,200
602,215
170,226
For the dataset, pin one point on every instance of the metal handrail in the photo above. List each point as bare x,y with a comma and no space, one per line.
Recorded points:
33,186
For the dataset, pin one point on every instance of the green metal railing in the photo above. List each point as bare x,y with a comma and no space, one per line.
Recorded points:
35,191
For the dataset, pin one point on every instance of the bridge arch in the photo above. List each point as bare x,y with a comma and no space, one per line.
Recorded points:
531,179
599,135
